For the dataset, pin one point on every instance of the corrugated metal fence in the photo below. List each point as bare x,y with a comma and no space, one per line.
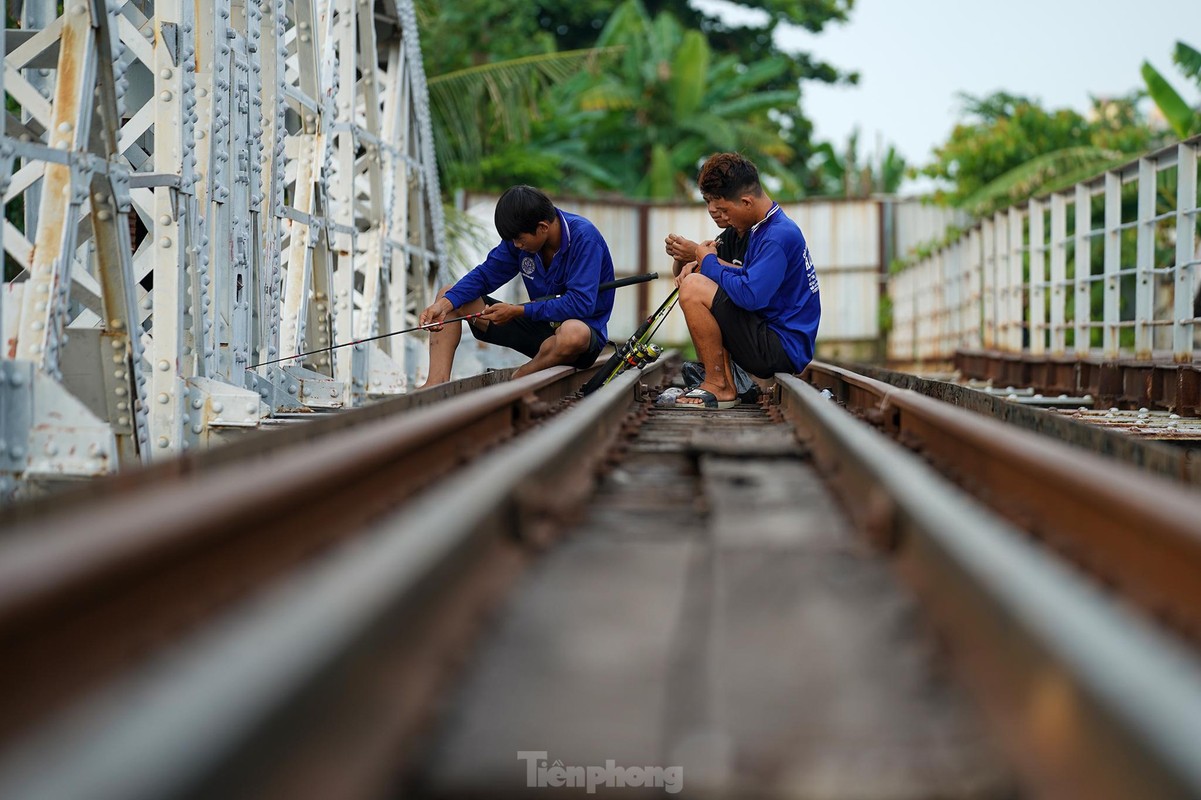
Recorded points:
849,240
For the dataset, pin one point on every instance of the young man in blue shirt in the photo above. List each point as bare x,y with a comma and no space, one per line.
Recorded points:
765,313
556,253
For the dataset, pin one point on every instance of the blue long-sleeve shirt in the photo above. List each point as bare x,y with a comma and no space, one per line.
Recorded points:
582,264
778,281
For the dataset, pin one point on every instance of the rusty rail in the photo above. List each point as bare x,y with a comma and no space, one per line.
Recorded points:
210,713
116,572
1149,456
1090,699
1137,533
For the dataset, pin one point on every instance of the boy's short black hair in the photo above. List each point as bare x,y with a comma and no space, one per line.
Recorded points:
729,176
520,209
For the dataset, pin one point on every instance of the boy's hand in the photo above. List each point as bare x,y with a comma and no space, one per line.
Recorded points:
706,248
500,313
685,270
435,313
680,248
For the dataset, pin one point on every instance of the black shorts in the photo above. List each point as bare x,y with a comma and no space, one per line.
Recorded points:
526,337
751,344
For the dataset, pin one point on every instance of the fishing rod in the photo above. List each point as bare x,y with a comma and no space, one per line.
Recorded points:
604,287
634,352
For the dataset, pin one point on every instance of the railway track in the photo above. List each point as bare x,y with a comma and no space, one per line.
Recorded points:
287,618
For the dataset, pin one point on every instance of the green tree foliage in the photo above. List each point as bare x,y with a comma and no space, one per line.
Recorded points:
749,40
1009,147
483,117
1183,119
470,33
527,33
651,117
847,174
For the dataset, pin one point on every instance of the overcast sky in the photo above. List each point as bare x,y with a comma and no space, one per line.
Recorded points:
915,56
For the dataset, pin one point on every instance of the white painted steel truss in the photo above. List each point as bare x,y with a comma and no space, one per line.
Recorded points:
192,189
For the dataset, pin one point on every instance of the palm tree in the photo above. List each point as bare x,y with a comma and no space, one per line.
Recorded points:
482,115
844,175
1183,119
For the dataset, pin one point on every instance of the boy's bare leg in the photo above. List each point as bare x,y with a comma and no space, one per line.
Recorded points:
570,341
696,300
443,343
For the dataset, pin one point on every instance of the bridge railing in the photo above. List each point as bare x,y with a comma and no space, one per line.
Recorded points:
1106,269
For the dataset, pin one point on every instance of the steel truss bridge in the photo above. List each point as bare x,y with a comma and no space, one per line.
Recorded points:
194,188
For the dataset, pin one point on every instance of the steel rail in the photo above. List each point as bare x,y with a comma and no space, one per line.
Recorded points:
1140,534
222,713
87,589
1148,456
254,443
1090,699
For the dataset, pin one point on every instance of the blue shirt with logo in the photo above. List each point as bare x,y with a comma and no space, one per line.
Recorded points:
582,264
778,282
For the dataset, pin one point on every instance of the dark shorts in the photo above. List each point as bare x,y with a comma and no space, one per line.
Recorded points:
751,344
526,337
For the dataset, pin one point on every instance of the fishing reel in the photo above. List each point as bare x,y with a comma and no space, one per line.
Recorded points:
643,353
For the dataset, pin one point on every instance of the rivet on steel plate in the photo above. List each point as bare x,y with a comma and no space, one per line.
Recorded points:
163,441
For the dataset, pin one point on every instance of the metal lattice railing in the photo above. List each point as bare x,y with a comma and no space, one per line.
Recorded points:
191,189
1106,268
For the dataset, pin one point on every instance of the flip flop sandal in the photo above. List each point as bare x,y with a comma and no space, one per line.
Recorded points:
708,402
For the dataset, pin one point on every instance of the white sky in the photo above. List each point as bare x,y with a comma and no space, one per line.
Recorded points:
914,56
